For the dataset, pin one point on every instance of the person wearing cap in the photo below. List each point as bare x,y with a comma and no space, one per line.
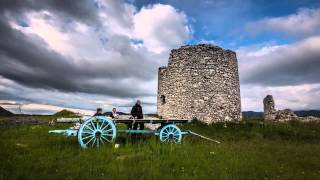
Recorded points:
136,113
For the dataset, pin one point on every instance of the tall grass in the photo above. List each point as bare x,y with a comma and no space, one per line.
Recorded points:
249,150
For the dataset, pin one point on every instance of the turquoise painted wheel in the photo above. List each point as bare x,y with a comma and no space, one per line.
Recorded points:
96,131
170,134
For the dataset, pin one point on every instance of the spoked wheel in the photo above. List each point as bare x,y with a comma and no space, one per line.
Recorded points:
170,134
96,131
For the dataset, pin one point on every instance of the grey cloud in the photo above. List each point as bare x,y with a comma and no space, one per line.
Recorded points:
287,65
28,61
83,10
12,97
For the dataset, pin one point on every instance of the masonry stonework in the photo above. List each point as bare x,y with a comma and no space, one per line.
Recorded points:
202,82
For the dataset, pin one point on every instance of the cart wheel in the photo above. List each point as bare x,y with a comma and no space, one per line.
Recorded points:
96,131
170,134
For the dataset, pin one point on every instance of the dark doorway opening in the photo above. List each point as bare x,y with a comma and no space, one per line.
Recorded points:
163,99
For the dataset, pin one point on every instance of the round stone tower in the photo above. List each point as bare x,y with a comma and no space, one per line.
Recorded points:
202,82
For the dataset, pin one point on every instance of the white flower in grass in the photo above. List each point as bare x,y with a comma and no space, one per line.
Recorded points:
116,146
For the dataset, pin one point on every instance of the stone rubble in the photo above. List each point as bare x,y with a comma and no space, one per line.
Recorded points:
271,114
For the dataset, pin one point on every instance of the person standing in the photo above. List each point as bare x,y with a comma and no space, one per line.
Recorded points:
136,113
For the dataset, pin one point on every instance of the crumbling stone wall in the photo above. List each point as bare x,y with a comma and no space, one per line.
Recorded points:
200,81
271,114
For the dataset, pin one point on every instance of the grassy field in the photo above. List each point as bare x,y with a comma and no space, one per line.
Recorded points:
249,150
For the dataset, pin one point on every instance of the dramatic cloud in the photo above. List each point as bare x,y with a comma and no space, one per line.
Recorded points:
292,64
94,49
305,22
106,53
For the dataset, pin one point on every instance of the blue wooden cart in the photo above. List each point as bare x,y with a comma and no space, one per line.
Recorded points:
98,130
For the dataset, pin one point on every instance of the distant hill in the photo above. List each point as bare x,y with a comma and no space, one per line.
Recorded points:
4,112
252,115
301,113
65,113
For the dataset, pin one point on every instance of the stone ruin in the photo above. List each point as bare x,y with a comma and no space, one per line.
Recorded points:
271,114
202,82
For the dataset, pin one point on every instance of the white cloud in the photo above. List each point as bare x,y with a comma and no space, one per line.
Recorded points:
161,27
305,22
38,25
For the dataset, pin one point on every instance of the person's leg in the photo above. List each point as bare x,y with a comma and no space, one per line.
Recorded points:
135,126
141,126
129,125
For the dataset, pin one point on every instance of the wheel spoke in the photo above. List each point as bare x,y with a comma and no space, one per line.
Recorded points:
87,132
89,140
105,138
166,138
164,133
105,132
97,123
98,140
105,126
102,124
93,142
93,125
87,137
111,135
101,140
175,130
89,127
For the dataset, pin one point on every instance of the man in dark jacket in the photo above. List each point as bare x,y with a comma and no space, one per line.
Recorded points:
98,112
136,113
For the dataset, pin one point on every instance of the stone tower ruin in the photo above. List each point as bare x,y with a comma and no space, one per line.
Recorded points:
268,108
202,82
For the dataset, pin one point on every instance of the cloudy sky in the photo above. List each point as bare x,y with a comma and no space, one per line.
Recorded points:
84,54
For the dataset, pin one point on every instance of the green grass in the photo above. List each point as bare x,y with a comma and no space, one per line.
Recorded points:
248,150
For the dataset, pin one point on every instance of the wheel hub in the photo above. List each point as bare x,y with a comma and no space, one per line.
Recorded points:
98,134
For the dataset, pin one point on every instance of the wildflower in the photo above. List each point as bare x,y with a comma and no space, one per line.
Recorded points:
225,125
116,146
212,153
182,169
